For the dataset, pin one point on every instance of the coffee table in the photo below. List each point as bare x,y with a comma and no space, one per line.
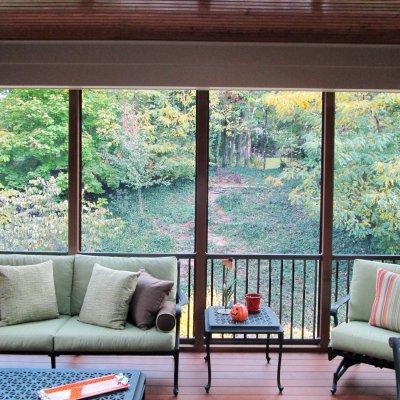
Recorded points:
24,383
264,322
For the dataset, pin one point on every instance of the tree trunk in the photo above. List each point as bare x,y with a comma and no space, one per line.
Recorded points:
229,151
265,140
247,150
223,149
238,149
217,150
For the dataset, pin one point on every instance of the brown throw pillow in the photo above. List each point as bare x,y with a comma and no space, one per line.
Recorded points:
147,299
166,319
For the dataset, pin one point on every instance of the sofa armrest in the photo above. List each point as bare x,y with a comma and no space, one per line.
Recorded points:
336,306
181,300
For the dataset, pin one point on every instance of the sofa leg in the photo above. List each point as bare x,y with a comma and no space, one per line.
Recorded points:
341,369
53,361
176,373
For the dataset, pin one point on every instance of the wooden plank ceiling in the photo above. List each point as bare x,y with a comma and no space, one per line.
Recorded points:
319,21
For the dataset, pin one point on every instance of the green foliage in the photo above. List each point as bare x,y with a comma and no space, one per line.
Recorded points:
165,224
33,136
139,165
367,171
137,139
33,219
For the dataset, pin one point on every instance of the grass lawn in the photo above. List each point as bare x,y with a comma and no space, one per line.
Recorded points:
249,211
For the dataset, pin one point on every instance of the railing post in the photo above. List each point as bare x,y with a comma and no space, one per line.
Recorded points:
201,219
328,143
74,172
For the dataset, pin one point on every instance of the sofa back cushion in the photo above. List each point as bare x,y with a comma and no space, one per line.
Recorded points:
164,268
27,293
62,269
362,288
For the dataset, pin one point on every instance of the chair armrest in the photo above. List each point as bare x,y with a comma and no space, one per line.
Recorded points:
394,343
335,308
181,300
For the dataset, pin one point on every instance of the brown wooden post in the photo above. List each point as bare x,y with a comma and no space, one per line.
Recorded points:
328,143
200,276
74,172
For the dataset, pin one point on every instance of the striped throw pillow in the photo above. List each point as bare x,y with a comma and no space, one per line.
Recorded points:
385,312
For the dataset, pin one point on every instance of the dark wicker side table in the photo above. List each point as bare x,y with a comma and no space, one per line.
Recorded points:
24,383
264,322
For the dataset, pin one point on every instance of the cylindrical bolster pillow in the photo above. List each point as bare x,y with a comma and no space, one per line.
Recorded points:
165,320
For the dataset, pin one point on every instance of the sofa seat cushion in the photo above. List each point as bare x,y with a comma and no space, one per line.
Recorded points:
362,338
31,336
76,336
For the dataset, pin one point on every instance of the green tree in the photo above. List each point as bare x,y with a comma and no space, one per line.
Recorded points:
33,136
367,170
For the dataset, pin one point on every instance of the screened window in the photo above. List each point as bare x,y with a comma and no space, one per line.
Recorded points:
33,169
265,172
367,174
138,170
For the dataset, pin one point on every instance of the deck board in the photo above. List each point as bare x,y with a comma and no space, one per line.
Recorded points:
237,376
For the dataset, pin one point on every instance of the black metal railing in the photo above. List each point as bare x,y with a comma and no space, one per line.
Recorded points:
342,270
186,276
289,284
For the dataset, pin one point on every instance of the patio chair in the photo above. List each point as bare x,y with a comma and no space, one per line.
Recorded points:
356,340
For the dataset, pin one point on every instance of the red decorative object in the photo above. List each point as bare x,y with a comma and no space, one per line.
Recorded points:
87,388
253,302
239,312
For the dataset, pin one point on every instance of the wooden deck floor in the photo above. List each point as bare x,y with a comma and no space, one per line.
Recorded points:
237,376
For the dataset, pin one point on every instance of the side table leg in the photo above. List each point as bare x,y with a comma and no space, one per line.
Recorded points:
208,359
280,338
267,350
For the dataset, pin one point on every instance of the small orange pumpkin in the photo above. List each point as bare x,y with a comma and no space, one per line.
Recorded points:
239,312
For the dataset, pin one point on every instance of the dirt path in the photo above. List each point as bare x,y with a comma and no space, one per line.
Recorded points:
220,217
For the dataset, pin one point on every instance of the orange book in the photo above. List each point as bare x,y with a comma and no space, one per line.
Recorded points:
87,388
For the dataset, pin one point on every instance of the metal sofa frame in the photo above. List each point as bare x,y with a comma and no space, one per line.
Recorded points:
181,300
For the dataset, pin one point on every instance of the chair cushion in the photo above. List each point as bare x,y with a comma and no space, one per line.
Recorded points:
362,289
27,293
362,338
32,336
385,311
76,336
161,267
62,269
108,297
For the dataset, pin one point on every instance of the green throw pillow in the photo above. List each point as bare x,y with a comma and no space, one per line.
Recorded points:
108,296
27,293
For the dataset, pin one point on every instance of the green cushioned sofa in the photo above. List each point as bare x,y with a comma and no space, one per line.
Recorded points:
68,336
356,340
